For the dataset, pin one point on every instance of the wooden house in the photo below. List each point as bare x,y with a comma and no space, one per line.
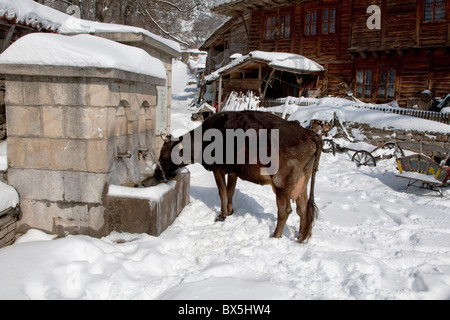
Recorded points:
379,50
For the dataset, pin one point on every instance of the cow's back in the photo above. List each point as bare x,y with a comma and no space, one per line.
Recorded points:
294,141
290,132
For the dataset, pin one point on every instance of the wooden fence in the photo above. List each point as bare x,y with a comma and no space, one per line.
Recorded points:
304,102
428,115
422,114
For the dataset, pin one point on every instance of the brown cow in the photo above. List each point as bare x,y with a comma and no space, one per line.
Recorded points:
294,159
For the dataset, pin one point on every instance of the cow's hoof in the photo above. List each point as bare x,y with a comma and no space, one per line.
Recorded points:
220,218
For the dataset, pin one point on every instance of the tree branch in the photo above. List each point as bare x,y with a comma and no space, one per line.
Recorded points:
159,27
176,7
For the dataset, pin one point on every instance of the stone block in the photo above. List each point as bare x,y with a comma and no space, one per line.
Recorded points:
16,154
86,123
48,91
76,190
38,153
442,137
23,121
61,218
14,89
98,156
96,220
103,94
71,218
69,155
69,91
37,91
53,122
36,215
37,184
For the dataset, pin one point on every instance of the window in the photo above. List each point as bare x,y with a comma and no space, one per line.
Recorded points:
311,23
434,10
329,21
377,84
285,26
364,84
386,84
277,27
271,25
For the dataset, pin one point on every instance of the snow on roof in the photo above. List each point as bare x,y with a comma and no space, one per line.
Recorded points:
32,14
277,60
290,61
40,17
48,49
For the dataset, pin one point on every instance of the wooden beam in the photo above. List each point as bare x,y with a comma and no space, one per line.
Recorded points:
219,104
260,79
8,38
267,82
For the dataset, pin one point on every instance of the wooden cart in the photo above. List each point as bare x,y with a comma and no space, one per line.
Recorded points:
364,152
423,172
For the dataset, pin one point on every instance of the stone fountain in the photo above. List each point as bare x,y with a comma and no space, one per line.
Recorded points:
74,133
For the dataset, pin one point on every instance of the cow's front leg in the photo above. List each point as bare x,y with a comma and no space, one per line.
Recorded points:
219,175
231,186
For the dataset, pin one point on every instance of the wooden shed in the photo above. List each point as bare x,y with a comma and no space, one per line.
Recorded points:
267,74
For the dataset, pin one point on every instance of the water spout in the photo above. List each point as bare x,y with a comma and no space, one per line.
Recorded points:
123,155
143,152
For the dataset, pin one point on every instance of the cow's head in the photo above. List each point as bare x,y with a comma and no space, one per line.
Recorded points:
166,166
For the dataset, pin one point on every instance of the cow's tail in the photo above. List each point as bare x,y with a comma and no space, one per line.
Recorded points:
311,208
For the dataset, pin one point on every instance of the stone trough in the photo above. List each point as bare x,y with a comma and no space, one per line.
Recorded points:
147,209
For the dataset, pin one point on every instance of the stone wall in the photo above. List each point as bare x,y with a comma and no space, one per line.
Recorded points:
435,143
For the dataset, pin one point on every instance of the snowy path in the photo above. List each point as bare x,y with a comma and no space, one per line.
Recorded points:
372,240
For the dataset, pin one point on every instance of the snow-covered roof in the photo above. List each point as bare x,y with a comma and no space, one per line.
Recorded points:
277,60
49,49
231,7
43,18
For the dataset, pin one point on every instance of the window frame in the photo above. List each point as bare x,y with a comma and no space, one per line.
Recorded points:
277,29
309,23
329,21
433,7
381,90
387,83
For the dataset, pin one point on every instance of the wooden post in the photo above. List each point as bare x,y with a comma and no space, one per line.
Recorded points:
260,80
268,81
8,38
219,104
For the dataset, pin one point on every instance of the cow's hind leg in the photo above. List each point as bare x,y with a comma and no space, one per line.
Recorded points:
231,186
306,210
284,209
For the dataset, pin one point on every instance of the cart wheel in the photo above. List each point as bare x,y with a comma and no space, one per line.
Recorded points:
364,158
329,146
398,152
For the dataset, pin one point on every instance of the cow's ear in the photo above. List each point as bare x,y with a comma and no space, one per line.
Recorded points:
167,138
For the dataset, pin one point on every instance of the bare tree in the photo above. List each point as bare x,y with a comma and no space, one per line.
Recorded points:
186,21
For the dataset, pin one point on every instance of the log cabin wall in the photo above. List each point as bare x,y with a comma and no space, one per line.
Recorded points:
319,30
408,54
413,42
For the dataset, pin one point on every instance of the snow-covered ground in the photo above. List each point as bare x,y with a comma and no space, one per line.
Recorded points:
372,240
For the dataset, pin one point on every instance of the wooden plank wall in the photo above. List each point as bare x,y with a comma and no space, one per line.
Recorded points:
417,50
